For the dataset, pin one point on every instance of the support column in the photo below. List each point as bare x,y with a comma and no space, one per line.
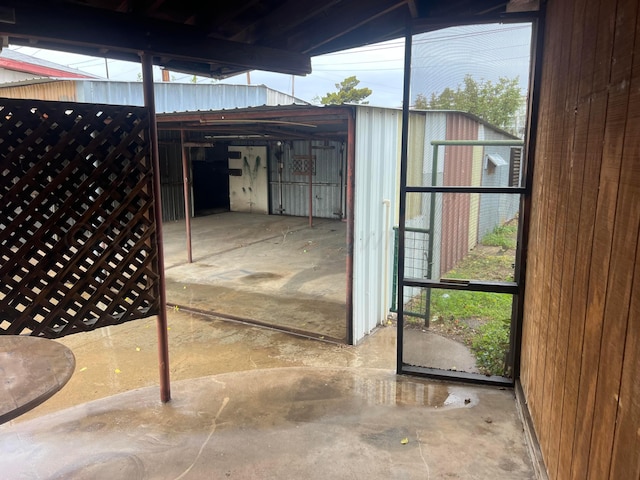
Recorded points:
406,99
187,203
163,339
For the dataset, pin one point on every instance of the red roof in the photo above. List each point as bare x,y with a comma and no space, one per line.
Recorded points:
16,61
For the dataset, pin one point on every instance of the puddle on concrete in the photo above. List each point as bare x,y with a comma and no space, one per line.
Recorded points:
260,276
414,394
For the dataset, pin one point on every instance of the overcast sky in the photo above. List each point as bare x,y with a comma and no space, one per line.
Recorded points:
440,59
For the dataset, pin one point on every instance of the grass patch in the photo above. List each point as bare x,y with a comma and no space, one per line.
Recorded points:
480,320
465,305
490,346
483,266
504,236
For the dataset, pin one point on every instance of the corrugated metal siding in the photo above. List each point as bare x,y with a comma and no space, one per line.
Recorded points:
172,191
458,161
328,185
274,97
62,91
181,97
415,161
376,157
496,209
435,129
8,76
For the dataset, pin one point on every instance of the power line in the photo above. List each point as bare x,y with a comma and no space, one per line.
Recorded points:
400,43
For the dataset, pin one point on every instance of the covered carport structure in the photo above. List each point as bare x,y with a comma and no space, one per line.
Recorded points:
579,362
303,138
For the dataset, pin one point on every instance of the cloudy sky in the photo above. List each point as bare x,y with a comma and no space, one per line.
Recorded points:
440,59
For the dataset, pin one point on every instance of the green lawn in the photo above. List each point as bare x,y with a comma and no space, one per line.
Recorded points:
478,319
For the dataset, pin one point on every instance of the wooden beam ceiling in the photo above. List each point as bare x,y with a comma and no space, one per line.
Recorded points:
227,37
120,35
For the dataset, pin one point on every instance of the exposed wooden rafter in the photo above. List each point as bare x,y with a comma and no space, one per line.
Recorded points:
79,29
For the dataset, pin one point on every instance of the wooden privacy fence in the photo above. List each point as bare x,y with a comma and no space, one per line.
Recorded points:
78,245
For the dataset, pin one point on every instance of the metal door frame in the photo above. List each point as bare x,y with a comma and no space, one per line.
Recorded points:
515,288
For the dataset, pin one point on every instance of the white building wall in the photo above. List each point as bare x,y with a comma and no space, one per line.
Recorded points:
376,159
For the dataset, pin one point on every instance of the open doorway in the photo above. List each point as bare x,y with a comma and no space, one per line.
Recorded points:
268,237
210,173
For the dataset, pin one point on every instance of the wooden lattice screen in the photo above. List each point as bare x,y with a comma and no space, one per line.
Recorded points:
77,236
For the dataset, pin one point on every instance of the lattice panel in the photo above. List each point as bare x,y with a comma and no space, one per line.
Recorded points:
77,236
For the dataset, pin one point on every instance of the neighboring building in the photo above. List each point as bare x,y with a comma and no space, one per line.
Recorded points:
18,67
27,77
170,97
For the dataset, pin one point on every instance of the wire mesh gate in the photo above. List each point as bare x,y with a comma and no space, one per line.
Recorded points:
418,264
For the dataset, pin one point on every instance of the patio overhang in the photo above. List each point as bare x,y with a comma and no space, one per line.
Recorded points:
225,38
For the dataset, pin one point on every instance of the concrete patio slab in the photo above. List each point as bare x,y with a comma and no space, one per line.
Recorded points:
312,423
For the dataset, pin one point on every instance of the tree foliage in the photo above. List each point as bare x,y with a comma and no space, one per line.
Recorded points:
496,103
347,93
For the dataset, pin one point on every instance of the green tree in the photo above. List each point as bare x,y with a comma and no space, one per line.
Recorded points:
347,93
496,103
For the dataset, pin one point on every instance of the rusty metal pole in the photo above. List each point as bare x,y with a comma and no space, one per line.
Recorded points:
187,204
351,149
163,339
310,183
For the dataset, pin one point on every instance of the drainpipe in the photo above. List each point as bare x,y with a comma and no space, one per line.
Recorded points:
161,323
351,149
185,188
280,159
342,152
387,215
432,229
310,184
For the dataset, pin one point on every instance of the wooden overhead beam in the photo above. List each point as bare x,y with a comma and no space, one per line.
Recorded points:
310,112
289,15
345,18
78,29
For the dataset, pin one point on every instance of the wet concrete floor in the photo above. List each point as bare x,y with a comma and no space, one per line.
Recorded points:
262,268
248,402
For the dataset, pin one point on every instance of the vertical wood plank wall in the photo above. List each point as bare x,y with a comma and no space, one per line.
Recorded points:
581,333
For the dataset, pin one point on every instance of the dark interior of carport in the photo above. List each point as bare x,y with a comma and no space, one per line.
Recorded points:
213,39
286,161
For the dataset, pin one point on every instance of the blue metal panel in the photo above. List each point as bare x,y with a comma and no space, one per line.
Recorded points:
182,97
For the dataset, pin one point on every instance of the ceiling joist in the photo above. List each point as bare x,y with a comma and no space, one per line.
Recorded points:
124,36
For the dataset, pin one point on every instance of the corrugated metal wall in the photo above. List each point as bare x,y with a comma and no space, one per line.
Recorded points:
458,167
170,97
171,175
417,206
496,209
63,91
581,332
376,159
289,189
435,129
181,97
